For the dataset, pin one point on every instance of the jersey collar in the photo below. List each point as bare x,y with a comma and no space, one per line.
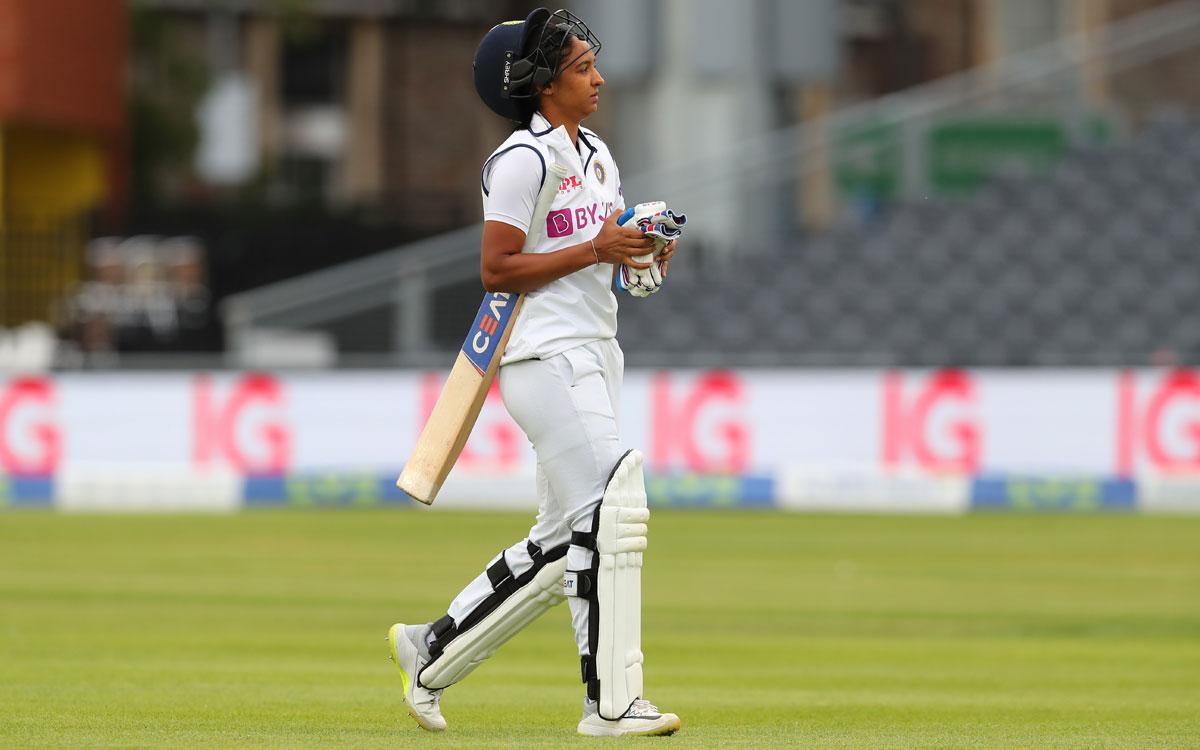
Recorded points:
541,128
539,125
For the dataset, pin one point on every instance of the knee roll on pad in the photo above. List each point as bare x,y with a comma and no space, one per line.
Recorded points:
514,603
613,587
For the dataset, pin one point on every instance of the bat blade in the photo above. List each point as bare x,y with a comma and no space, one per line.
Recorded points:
457,407
454,414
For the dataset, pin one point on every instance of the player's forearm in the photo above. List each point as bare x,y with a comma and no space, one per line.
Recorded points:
524,272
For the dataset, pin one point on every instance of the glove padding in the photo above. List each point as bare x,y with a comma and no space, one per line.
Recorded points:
640,282
660,223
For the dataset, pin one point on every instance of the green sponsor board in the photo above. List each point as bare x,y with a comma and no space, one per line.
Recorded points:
958,153
964,154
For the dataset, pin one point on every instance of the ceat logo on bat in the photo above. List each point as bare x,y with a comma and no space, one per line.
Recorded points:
491,320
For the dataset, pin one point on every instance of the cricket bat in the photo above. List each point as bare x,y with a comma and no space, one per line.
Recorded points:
457,407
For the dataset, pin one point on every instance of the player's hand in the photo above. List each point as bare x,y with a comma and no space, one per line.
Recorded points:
664,258
617,244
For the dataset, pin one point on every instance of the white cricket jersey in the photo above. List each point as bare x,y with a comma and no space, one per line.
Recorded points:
580,307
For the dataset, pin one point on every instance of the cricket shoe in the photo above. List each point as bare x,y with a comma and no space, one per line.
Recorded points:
407,648
642,719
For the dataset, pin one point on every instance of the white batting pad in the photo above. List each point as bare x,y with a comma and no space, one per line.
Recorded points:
620,542
469,649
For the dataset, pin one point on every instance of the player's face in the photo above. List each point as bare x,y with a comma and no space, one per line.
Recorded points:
577,88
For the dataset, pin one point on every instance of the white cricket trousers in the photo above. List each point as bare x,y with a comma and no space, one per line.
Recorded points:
567,405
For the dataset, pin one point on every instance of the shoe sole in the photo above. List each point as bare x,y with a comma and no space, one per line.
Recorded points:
395,633
663,731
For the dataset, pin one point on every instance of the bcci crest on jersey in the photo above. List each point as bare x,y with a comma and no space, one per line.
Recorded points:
482,344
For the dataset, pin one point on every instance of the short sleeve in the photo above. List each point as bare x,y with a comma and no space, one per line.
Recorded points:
511,183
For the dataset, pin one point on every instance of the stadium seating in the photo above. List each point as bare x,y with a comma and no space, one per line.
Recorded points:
1095,263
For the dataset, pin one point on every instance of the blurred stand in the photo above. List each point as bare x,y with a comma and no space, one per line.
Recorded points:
142,294
976,220
325,156
27,349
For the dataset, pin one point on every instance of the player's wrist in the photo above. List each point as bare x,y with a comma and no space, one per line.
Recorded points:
588,254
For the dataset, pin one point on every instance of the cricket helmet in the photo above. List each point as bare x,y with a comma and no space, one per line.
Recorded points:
517,58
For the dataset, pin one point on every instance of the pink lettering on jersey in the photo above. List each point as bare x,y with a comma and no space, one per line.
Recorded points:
565,221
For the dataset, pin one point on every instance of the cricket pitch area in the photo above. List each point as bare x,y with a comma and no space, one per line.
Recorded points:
266,629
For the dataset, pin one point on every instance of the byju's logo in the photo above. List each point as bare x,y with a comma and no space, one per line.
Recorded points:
558,223
564,221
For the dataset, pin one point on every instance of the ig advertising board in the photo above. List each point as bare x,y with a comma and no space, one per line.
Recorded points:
773,425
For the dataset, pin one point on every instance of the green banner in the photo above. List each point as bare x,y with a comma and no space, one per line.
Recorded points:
960,153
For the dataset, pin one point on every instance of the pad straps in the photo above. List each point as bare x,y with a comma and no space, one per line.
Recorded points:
504,584
444,631
499,573
582,583
587,666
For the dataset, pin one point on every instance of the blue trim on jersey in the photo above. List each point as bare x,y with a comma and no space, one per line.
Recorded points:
498,154
591,148
540,133
583,136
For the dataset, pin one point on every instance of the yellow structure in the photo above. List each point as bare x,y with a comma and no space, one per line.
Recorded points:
61,117
51,183
50,176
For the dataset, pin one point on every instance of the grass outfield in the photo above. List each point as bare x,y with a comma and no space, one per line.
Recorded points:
266,629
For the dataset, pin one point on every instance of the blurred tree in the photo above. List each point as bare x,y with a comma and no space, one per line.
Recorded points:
167,81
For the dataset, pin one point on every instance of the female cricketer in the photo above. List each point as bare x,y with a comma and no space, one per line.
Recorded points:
560,379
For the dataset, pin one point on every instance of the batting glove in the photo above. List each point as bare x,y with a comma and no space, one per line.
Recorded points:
663,225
